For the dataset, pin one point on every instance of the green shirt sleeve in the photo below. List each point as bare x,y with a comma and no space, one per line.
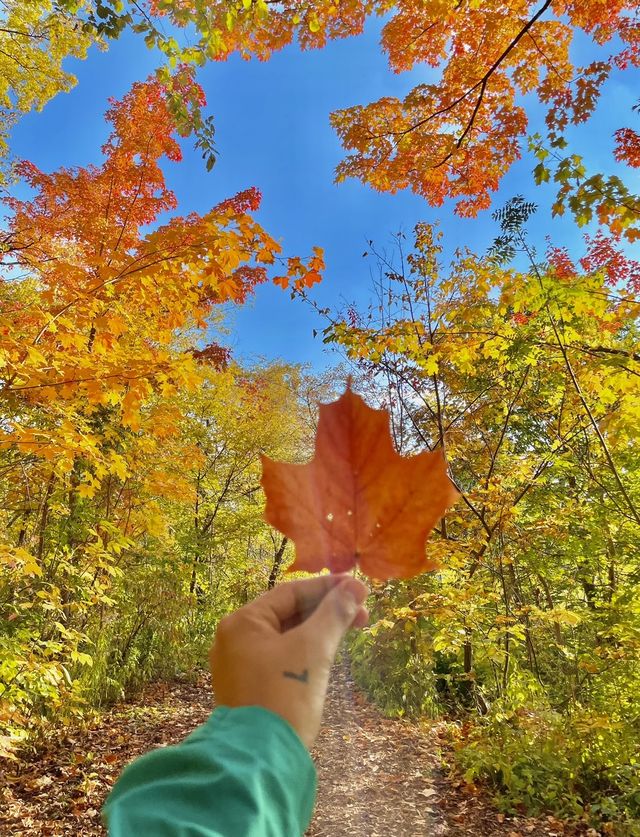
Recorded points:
243,773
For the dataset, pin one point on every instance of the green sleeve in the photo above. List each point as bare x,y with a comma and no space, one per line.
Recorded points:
243,773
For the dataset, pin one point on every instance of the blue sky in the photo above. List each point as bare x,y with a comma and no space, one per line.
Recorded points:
272,131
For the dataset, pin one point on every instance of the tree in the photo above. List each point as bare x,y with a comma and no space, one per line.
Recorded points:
454,137
101,316
529,380
233,420
457,136
112,297
35,38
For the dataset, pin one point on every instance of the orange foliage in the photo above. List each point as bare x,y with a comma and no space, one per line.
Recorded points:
456,134
605,254
628,147
457,137
111,298
256,28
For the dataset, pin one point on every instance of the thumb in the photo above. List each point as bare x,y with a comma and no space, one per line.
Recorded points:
335,614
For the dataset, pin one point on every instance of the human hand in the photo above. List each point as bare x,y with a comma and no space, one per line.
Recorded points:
277,651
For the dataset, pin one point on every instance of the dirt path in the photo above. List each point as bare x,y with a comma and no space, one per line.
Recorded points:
380,777
376,777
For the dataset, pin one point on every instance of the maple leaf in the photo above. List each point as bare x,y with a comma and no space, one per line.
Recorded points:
358,501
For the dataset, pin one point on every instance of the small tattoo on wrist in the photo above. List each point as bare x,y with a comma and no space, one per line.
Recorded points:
301,678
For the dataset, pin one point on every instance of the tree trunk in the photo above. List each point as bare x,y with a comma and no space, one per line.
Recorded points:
277,562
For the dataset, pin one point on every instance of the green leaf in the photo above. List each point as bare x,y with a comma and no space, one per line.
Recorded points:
541,174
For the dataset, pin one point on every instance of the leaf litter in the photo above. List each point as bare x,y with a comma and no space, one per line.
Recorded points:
377,776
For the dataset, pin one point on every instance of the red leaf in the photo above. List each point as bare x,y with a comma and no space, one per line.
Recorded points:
358,501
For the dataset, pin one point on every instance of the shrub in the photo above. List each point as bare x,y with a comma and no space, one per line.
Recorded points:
580,765
396,676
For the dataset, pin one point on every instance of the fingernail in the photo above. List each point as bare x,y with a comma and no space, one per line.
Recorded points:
347,599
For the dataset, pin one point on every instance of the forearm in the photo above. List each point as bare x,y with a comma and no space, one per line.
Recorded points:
244,773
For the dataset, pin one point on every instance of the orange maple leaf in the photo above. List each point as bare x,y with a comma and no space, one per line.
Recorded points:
308,280
358,501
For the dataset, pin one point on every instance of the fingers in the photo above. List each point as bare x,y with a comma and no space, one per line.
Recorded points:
289,604
340,609
361,619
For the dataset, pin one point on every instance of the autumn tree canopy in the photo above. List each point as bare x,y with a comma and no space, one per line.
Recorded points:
454,137
528,379
113,296
35,38
103,319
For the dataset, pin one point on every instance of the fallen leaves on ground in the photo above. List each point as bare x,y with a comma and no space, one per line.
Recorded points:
62,789
377,777
383,777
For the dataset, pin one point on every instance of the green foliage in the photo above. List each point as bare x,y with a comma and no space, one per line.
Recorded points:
539,759
588,197
393,661
530,630
399,682
127,585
